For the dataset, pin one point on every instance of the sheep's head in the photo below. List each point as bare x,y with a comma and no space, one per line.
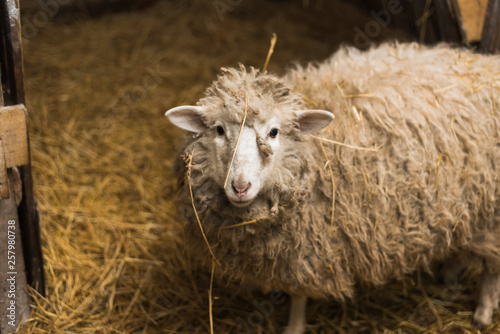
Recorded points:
248,119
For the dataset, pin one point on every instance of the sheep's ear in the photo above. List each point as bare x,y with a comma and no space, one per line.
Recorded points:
190,118
313,120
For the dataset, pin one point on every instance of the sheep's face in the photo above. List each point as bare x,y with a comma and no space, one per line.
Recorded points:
247,122
242,157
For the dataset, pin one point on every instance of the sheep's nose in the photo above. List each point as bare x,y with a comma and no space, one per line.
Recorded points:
241,188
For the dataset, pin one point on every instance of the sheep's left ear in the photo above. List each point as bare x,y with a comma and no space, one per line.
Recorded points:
190,118
313,120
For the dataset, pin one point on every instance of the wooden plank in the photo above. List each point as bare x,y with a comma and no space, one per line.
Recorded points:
471,15
4,180
13,133
13,47
490,40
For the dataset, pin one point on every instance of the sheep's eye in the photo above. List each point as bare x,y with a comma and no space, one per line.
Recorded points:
220,130
273,133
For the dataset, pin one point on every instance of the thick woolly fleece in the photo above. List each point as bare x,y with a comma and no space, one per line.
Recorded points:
430,191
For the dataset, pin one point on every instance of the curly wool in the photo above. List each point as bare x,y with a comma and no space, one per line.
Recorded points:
430,191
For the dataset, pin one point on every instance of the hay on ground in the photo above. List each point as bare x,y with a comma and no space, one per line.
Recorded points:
102,154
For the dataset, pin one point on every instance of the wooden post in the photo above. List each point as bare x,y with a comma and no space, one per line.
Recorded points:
490,38
14,80
21,260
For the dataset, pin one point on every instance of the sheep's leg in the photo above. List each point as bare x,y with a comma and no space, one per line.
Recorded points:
489,293
297,319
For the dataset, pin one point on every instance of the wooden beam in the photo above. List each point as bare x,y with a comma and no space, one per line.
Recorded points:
490,39
12,34
13,133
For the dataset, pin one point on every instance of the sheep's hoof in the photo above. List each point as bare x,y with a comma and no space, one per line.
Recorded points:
482,317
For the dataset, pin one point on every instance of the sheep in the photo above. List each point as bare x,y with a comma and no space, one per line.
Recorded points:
394,169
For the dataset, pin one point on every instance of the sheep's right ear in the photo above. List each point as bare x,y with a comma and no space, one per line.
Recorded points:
190,118
313,120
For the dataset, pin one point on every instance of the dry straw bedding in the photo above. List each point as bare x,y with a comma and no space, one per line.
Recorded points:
102,154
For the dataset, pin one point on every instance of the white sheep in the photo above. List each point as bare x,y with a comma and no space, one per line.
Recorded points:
412,178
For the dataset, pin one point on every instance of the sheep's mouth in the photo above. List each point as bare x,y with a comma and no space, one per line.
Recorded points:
240,203
241,196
